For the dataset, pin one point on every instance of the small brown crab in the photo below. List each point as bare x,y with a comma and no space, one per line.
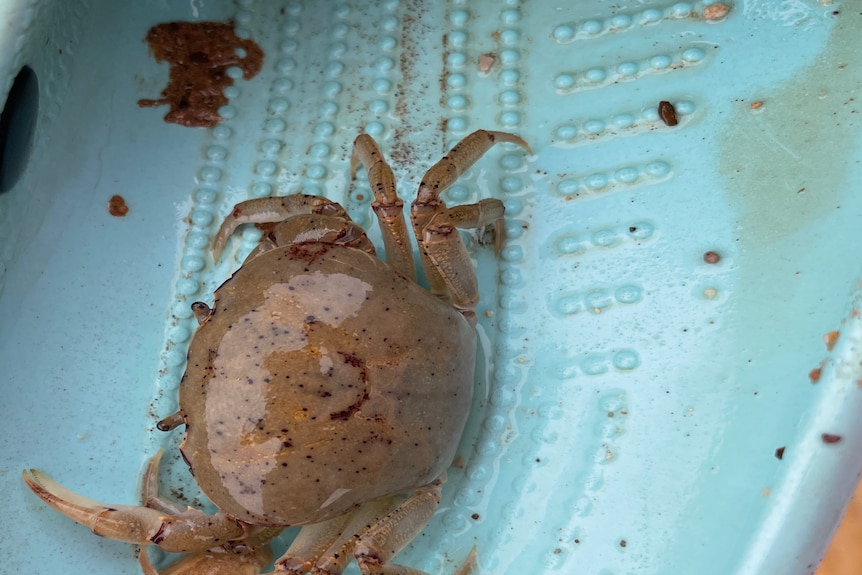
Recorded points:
324,388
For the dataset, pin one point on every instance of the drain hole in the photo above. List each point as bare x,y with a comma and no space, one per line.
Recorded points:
17,125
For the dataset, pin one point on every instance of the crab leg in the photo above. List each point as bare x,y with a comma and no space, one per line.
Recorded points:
189,531
310,544
459,159
387,205
247,557
383,540
275,209
447,269
444,248
326,548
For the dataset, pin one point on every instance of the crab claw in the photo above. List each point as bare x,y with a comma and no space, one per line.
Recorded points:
180,533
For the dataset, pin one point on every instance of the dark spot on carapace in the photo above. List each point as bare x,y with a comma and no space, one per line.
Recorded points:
345,414
351,359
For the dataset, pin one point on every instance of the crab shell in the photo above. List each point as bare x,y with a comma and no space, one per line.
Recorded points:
321,380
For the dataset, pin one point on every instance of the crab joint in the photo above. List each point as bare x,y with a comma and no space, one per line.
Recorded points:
190,531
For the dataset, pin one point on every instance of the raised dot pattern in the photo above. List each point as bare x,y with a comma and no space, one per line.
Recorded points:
595,28
378,116
513,356
569,244
569,82
623,123
457,83
623,177
324,129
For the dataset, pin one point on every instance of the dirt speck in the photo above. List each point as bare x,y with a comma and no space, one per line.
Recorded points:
814,374
117,206
711,257
716,11
486,62
779,453
830,438
667,113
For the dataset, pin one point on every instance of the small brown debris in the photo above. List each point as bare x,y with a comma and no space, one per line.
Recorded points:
829,339
667,113
779,453
830,438
557,551
117,206
814,374
716,11
623,543
486,62
711,257
756,105
475,516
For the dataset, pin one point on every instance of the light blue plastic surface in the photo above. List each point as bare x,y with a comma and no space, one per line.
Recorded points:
632,396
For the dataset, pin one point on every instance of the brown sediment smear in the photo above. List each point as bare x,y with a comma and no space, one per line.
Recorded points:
199,54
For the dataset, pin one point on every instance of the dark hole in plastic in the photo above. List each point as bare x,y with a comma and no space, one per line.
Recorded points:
17,126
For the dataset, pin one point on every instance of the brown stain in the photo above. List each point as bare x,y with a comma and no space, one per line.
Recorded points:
199,54
351,409
805,137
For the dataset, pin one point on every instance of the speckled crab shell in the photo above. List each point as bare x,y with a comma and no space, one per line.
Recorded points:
321,380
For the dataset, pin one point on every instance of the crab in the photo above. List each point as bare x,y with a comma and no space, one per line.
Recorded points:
325,388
